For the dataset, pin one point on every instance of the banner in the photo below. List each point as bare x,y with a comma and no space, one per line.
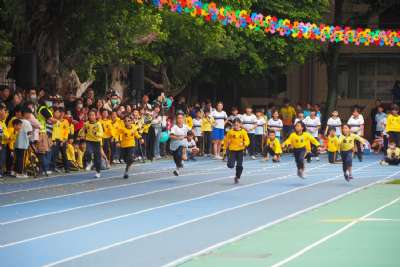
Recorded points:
283,27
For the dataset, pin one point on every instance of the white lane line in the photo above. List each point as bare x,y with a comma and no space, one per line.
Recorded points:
326,238
147,210
90,180
132,196
280,220
172,227
106,188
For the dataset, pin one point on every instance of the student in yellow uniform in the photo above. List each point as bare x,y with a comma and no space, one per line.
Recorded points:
4,136
393,125
108,133
392,155
346,146
206,128
117,124
272,148
333,145
237,141
92,133
298,141
61,128
71,154
189,121
128,135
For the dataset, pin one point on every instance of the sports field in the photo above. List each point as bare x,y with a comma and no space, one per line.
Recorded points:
202,219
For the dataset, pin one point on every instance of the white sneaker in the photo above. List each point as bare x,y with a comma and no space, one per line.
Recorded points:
317,158
22,176
218,157
49,172
97,175
89,166
253,157
384,163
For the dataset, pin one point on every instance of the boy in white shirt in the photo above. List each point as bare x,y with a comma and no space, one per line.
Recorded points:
191,148
198,133
249,122
259,133
177,145
356,123
275,124
313,123
335,122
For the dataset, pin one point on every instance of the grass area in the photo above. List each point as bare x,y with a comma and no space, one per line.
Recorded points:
397,181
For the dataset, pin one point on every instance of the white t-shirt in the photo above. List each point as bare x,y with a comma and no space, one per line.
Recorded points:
260,130
189,144
355,124
197,126
336,123
180,132
298,120
312,125
276,125
249,121
219,118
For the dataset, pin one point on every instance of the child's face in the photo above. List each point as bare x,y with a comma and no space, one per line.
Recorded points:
92,116
271,136
275,115
198,114
335,114
179,120
18,127
301,115
249,110
220,107
235,112
346,130
392,146
332,132
380,109
298,128
128,122
70,141
259,114
237,125
395,111
189,138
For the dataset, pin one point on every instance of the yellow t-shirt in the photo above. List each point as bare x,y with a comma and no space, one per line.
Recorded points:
288,113
107,128
189,122
93,131
275,145
346,143
6,134
116,126
333,144
237,140
301,141
207,124
61,130
393,123
128,136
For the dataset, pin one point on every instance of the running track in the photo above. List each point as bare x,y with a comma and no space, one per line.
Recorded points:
155,219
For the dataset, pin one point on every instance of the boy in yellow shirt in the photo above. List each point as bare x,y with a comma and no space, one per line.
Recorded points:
71,154
273,148
206,128
61,129
108,133
237,141
128,135
333,145
392,155
346,147
299,140
92,133
393,125
4,136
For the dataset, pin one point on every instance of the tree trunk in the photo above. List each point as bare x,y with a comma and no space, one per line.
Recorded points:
71,83
332,59
119,78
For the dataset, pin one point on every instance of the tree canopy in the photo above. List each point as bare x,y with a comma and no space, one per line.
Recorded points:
73,36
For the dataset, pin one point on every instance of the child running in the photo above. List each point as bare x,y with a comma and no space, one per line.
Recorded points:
333,145
236,142
128,134
346,146
178,135
298,140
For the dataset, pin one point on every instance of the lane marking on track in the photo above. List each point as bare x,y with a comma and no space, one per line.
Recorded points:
106,188
326,238
132,196
90,179
268,225
149,210
186,223
347,220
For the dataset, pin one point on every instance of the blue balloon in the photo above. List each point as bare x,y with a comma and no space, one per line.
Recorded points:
164,137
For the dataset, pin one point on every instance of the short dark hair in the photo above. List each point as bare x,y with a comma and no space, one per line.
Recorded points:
237,120
16,122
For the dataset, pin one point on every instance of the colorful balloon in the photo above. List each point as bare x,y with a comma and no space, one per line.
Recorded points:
164,137
284,27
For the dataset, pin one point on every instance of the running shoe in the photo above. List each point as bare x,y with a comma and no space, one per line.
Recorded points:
97,175
176,173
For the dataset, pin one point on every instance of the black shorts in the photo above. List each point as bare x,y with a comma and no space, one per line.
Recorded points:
127,154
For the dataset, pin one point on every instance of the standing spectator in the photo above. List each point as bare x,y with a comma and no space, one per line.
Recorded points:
313,124
373,113
379,118
218,132
206,127
356,124
4,135
393,125
275,124
288,115
249,123
156,123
